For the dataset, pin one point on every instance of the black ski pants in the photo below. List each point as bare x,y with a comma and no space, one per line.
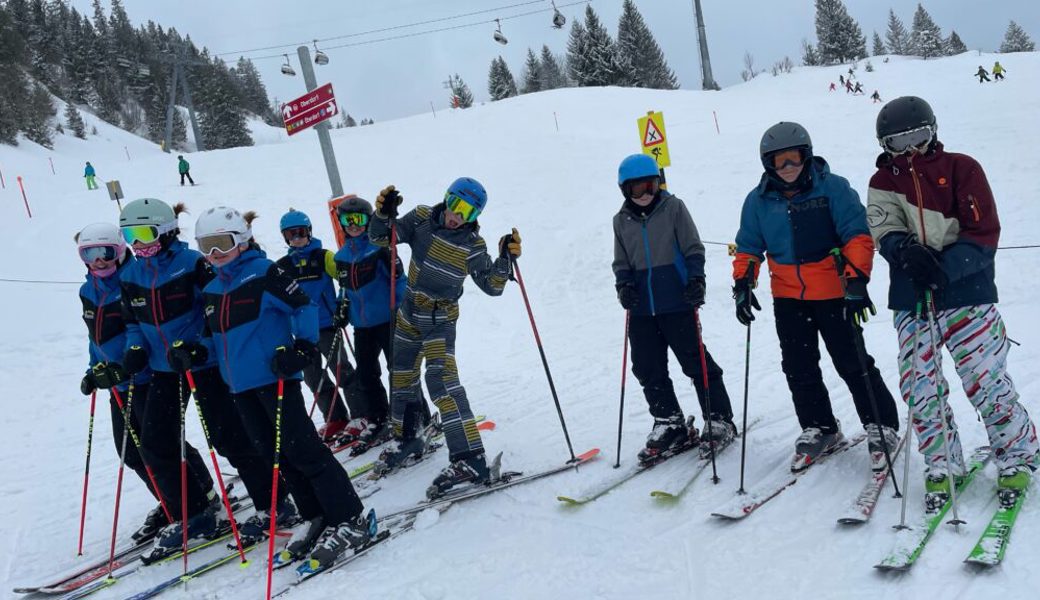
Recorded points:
369,342
188,175
317,482
651,337
799,325
133,456
226,433
330,400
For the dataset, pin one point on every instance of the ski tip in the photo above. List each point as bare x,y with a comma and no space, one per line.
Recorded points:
585,456
891,568
569,501
851,521
486,426
663,495
25,590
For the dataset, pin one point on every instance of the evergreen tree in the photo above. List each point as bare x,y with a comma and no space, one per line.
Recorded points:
461,97
532,75
810,57
926,39
37,115
13,93
639,53
954,45
500,80
578,68
253,92
839,38
74,121
1016,40
222,122
879,46
605,66
550,71
348,121
897,38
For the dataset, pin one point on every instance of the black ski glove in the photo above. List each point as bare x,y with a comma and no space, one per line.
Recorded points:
290,361
509,245
694,292
135,360
628,296
87,385
108,375
183,356
387,202
921,264
745,300
858,307
342,317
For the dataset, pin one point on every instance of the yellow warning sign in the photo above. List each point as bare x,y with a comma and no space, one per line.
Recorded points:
652,138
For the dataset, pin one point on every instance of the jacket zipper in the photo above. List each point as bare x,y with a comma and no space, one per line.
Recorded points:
797,265
649,267
156,306
974,208
920,198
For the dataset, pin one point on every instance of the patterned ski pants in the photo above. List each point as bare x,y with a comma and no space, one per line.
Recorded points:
975,338
425,334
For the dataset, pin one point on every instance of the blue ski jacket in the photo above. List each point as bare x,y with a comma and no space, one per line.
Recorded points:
363,271
314,269
252,307
162,299
103,315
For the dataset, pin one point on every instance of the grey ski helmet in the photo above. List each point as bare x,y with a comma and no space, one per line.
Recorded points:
147,211
903,114
783,135
354,204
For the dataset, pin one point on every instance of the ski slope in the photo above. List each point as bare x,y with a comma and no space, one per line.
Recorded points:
558,188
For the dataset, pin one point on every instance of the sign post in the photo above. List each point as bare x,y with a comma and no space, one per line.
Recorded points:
115,192
312,110
653,141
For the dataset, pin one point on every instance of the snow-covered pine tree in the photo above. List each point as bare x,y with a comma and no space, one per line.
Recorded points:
348,121
896,37
638,50
550,71
37,116
954,45
605,66
879,46
532,75
13,92
501,83
460,94
926,39
810,57
253,91
222,122
1016,40
75,121
839,37
578,65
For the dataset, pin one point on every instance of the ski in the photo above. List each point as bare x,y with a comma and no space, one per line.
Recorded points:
743,505
193,574
611,485
502,481
703,462
993,542
379,470
862,507
911,542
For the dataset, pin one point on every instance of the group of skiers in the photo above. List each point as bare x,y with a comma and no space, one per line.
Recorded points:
998,72
934,218
183,168
236,331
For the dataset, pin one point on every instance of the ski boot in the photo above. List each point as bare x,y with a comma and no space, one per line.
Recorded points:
256,528
350,432
373,435
336,540
669,436
875,433
720,433
154,522
399,454
473,469
937,488
329,431
1012,483
301,543
813,444
170,539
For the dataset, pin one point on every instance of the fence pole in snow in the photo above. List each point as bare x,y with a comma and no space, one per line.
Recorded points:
3,185
716,122
24,199
557,121
127,152
434,110
52,165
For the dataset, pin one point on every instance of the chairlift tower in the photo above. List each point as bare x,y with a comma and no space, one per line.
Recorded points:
707,81
179,79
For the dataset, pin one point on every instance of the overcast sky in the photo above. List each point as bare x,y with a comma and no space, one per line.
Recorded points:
401,77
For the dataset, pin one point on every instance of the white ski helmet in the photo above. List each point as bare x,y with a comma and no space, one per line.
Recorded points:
221,228
101,234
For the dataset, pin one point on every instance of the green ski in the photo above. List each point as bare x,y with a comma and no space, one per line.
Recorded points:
994,540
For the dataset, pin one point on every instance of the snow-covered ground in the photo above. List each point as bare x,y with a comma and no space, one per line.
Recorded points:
558,188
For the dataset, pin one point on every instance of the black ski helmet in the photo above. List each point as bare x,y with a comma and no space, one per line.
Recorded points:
903,114
786,135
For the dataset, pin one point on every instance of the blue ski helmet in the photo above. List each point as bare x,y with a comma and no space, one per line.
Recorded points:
470,190
294,218
637,166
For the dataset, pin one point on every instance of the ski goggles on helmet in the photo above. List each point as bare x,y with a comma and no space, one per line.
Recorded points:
903,142
221,243
91,253
791,157
638,188
357,219
462,207
145,234
292,233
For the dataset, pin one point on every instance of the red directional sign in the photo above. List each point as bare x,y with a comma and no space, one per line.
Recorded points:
309,109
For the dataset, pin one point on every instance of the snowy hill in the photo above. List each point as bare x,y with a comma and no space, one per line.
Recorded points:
558,188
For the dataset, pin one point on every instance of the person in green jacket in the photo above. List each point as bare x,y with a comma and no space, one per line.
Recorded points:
182,168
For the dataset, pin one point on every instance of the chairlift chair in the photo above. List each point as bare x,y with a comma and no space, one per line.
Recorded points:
558,19
320,58
499,37
287,68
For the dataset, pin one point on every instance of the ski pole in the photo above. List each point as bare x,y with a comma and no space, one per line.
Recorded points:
944,407
216,467
321,382
184,474
750,276
861,356
86,473
541,351
334,350
624,372
707,392
393,316
274,484
910,412
119,480
148,470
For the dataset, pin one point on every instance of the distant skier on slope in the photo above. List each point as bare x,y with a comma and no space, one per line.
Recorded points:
446,248
798,215
268,328
982,74
659,277
89,174
998,71
313,267
184,168
935,220
875,97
